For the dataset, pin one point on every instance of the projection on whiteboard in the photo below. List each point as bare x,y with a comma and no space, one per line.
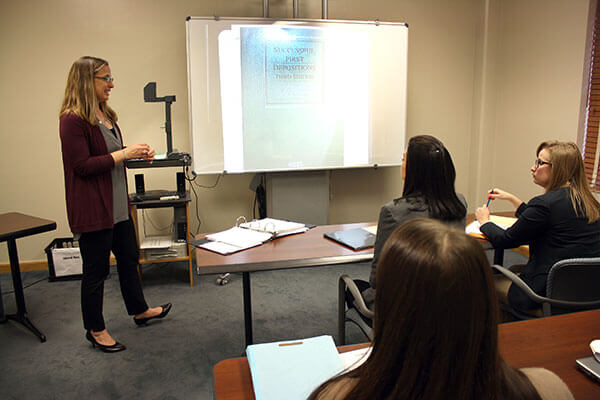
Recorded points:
295,97
297,109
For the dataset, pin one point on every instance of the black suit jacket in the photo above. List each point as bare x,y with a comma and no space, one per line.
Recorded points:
554,232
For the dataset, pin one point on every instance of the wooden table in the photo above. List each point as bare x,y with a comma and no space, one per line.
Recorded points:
13,226
307,249
553,343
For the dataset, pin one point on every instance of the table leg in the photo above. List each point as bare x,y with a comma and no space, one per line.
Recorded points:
21,314
498,256
247,307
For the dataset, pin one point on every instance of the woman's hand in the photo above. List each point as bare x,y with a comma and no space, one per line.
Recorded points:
139,150
496,193
482,214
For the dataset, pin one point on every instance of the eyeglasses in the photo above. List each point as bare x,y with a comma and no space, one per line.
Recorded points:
107,79
538,163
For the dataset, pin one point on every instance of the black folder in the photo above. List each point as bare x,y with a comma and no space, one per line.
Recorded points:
356,239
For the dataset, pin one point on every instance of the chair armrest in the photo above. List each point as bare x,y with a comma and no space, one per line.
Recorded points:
540,299
520,284
359,302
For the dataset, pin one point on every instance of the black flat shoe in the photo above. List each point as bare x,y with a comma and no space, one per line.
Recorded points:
107,349
165,310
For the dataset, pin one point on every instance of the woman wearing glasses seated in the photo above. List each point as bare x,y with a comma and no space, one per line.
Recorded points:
97,200
562,223
428,173
436,328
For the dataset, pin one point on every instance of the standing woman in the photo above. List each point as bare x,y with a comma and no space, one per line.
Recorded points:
428,173
562,223
96,196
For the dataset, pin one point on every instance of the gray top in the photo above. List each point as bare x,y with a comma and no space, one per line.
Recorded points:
392,215
117,174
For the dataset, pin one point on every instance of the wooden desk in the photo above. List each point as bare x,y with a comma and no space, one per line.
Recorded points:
307,249
553,343
13,226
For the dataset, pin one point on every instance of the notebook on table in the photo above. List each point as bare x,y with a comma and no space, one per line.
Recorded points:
356,239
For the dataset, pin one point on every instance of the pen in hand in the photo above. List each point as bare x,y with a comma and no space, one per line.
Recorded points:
489,198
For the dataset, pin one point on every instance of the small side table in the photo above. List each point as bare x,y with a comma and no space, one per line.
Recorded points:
15,225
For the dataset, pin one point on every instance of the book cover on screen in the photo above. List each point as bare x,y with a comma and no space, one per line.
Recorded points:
296,84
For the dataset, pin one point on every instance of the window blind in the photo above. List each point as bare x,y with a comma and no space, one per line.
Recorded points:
591,150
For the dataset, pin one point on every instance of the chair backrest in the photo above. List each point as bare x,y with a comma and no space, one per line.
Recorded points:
577,280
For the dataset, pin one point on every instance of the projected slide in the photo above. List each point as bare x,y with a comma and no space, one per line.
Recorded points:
294,97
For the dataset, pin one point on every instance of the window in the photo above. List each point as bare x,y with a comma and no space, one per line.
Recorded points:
591,150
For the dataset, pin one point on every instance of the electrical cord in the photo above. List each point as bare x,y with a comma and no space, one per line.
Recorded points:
169,228
192,181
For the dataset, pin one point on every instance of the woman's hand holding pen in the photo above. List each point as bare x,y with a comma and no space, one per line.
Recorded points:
500,194
483,213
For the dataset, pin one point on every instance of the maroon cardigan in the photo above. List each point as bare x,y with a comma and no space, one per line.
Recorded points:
87,166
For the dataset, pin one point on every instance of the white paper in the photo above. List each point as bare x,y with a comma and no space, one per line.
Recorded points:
220,247
502,222
240,237
355,358
156,242
67,261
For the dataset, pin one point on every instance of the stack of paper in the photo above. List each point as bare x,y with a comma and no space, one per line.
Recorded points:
292,370
503,222
156,242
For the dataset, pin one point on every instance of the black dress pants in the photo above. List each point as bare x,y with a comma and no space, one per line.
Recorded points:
95,250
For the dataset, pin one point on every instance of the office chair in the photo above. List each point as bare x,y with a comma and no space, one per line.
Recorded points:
572,285
356,310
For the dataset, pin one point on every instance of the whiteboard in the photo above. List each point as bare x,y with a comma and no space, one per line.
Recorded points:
283,95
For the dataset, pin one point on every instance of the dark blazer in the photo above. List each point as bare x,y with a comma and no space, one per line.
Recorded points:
392,215
553,231
87,166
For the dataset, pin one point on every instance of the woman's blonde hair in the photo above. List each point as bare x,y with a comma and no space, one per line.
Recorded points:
568,171
80,94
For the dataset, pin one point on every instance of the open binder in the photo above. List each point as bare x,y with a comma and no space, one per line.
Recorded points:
245,235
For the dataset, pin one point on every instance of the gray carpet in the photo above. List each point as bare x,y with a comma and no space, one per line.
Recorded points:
171,358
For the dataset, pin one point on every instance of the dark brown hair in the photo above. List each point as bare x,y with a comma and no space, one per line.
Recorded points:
435,324
430,176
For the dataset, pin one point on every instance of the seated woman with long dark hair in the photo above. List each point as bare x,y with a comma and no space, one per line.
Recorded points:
428,173
436,328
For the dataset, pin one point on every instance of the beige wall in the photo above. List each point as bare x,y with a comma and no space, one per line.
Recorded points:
490,78
539,79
